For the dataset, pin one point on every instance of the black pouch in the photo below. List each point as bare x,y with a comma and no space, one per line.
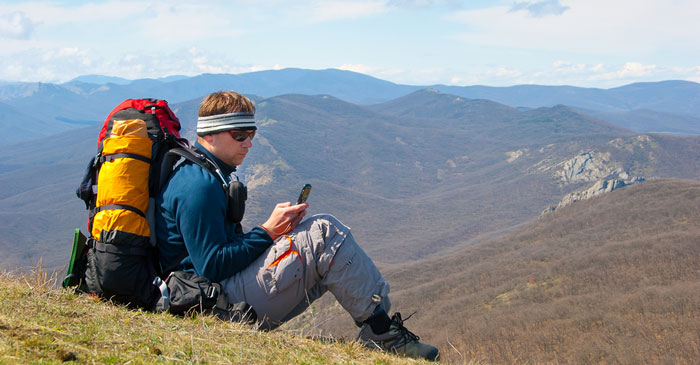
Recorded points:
123,274
189,292
237,195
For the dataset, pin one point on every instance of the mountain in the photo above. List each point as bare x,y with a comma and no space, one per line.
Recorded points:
38,206
100,79
610,280
672,96
400,173
18,125
650,121
668,96
55,104
668,106
346,85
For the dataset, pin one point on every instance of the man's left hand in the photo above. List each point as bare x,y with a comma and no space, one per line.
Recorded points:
284,218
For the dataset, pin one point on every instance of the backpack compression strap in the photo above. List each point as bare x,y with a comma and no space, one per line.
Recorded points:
114,156
111,157
118,206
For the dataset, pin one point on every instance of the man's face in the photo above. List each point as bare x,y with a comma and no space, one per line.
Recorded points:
229,150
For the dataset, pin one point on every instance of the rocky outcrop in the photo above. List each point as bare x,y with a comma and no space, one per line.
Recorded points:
588,166
595,167
598,188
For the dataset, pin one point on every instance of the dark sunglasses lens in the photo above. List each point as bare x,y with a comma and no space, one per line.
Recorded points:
240,136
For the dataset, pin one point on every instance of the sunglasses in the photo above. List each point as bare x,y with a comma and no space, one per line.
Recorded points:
241,136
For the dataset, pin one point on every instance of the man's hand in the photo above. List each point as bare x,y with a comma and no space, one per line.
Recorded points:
284,218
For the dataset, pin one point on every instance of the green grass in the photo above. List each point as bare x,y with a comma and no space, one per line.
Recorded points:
41,324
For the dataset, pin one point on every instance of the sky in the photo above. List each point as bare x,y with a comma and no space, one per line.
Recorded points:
587,43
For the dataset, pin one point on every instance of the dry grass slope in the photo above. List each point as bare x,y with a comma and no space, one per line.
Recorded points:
39,324
614,279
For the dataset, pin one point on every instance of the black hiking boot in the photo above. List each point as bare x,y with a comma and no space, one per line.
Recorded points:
398,340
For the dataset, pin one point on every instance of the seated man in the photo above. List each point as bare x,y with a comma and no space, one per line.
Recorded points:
280,266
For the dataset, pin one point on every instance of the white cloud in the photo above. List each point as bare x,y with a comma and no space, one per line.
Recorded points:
540,8
188,22
325,11
16,25
363,69
560,72
565,67
378,72
503,72
503,42
591,26
598,68
493,76
423,3
63,64
172,21
630,70
51,13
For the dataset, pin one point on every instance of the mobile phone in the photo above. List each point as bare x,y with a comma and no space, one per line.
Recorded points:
304,193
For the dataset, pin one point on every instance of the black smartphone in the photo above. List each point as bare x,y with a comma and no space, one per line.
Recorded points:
304,193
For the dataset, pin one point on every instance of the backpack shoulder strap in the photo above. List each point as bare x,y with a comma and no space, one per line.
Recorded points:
235,191
194,155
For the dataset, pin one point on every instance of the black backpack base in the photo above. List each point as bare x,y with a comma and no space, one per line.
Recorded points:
181,293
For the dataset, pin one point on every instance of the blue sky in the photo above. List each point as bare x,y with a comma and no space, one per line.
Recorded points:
590,43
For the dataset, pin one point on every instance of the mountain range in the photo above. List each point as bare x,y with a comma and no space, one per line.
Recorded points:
664,107
418,174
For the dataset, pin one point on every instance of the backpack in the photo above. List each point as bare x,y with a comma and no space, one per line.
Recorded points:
118,259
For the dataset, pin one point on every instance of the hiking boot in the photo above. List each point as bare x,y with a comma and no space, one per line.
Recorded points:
398,340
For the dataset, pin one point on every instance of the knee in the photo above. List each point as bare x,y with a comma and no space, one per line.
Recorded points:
328,226
327,220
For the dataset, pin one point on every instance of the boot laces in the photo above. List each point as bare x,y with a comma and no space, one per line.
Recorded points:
405,336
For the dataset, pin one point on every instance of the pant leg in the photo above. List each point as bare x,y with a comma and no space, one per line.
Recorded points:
319,255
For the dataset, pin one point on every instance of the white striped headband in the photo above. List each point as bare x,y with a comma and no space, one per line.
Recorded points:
224,122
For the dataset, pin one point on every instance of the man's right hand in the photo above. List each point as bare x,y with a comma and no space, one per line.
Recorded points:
284,218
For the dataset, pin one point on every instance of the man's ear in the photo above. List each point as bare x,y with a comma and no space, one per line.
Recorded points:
208,137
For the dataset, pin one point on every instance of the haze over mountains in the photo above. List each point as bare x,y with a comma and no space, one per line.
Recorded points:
420,174
669,106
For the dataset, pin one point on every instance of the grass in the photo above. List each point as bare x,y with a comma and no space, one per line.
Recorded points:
41,324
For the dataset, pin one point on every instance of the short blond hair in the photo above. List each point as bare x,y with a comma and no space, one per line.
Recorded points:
223,102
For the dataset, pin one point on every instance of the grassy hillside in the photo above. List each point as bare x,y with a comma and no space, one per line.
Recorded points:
43,325
614,280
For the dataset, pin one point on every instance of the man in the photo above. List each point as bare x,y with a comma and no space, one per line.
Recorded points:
280,266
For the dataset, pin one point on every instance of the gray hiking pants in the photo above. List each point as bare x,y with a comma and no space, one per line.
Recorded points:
319,255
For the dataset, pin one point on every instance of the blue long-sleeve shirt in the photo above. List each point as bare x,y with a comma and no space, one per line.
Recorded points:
193,233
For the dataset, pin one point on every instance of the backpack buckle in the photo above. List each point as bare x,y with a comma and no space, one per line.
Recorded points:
212,292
